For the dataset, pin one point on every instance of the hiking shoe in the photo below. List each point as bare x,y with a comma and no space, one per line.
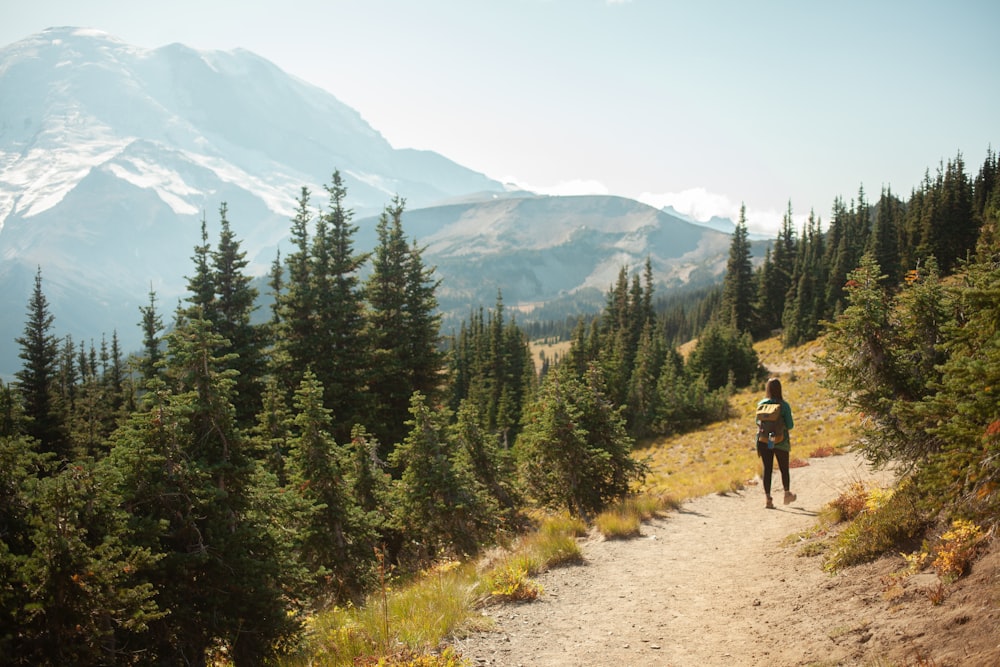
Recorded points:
790,497
770,504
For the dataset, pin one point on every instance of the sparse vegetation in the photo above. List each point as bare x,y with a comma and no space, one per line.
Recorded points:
880,523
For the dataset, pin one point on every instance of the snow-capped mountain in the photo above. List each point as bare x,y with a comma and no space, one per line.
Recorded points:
111,156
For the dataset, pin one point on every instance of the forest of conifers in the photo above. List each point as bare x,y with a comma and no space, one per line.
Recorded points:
207,492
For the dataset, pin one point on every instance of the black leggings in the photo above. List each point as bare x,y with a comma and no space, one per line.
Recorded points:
767,456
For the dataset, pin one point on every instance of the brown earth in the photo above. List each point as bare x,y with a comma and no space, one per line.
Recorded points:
723,581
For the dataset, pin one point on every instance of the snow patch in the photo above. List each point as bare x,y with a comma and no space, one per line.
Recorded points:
278,197
167,184
38,179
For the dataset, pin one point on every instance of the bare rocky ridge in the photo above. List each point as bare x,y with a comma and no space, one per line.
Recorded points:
721,583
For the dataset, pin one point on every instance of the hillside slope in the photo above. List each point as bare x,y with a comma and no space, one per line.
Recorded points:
725,582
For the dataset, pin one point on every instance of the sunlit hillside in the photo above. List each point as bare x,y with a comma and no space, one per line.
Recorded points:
721,457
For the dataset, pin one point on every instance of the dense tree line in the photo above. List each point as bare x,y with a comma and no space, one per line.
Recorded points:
802,281
920,360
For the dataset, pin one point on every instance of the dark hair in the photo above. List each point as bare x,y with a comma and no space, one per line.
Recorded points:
773,389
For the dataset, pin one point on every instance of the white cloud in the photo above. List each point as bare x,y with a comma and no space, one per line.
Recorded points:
573,187
700,204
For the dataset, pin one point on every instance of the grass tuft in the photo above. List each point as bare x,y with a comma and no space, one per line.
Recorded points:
618,525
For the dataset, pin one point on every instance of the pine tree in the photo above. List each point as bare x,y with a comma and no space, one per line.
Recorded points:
436,500
738,293
402,328
152,325
316,465
234,303
341,356
36,381
213,518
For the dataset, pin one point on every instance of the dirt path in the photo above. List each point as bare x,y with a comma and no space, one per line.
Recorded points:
716,583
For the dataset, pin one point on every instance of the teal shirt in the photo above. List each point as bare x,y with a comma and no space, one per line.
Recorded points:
786,417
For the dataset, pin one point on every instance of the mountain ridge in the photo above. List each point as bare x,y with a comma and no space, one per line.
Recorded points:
111,156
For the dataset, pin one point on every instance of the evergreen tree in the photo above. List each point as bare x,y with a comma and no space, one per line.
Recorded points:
201,285
402,328
725,358
437,503
491,367
884,241
963,414
848,234
864,368
489,460
340,359
775,278
316,465
574,450
82,598
643,398
234,303
806,295
36,381
152,325
738,293
226,573
295,334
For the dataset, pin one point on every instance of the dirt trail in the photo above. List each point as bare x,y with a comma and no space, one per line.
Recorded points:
718,583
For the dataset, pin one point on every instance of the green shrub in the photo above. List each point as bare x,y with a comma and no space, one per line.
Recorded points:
886,520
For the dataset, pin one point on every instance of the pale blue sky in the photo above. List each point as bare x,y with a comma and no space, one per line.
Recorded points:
703,104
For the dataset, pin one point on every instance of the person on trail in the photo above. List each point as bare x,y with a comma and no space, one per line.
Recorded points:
773,425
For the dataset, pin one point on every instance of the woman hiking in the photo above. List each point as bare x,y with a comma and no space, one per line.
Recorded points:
774,421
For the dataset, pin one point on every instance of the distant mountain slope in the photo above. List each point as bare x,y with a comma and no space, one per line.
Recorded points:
111,155
537,248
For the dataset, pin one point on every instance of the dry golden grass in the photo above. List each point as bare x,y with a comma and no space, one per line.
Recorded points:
551,351
721,458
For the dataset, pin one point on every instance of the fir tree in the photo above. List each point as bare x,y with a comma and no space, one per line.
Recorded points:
738,293
234,303
884,241
152,325
37,379
436,501
316,465
296,306
341,356
212,517
84,601
402,328
574,450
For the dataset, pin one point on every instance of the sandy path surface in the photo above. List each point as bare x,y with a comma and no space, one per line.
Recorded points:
717,583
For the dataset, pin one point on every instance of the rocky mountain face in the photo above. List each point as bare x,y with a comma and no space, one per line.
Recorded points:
111,156
537,250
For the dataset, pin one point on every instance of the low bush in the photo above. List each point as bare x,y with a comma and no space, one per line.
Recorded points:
882,520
